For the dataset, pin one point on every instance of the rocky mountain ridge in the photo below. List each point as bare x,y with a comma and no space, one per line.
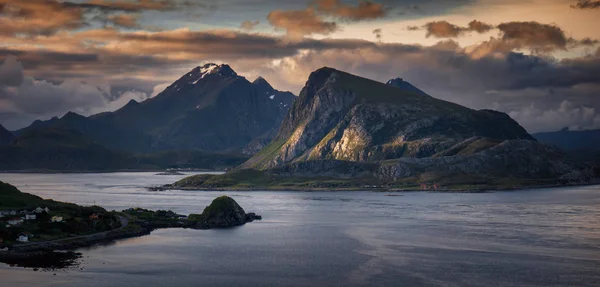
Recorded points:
345,126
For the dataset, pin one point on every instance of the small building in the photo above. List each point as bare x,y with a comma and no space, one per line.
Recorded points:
56,219
46,209
1,215
23,237
30,216
15,221
39,210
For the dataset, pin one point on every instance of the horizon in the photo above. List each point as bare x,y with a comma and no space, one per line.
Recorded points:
542,69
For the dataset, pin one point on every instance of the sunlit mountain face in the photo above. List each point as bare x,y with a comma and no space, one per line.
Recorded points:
538,61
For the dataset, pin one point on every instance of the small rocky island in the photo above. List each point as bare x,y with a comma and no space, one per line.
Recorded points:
223,212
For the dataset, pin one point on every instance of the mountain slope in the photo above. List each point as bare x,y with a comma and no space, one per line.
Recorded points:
211,108
57,149
106,134
6,137
339,116
405,86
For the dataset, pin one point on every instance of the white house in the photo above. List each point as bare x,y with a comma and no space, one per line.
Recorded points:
23,238
57,219
46,210
39,210
30,217
15,221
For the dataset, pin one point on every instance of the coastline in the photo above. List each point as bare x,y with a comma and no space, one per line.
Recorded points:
100,171
377,189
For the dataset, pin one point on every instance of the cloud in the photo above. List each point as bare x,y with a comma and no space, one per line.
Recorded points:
124,20
127,6
312,20
11,72
533,34
442,29
507,82
479,27
24,98
363,11
299,23
38,17
378,34
46,17
489,74
586,4
249,25
565,115
445,29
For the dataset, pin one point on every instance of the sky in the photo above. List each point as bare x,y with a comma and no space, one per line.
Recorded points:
537,60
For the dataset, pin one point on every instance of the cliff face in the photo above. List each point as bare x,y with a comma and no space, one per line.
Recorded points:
398,133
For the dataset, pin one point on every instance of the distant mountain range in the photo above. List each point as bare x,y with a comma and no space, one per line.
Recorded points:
210,112
583,145
346,127
571,140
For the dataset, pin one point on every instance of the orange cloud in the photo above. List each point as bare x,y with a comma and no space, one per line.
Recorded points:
321,15
249,25
124,20
445,29
301,22
364,10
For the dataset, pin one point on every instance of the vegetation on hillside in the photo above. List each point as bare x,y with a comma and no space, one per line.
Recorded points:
76,220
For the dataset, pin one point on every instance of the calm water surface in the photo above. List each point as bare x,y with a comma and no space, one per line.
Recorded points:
545,237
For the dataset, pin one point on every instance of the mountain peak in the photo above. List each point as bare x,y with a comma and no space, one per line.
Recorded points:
402,84
200,72
396,81
263,85
72,115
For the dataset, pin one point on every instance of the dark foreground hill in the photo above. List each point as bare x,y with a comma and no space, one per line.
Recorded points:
354,132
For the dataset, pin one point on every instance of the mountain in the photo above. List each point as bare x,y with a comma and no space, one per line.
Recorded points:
344,117
571,140
6,137
406,86
211,108
108,135
209,118
346,127
58,149
582,145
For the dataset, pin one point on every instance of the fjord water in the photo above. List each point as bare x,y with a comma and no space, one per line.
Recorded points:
544,237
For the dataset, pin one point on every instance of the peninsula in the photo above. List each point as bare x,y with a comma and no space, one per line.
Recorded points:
32,227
